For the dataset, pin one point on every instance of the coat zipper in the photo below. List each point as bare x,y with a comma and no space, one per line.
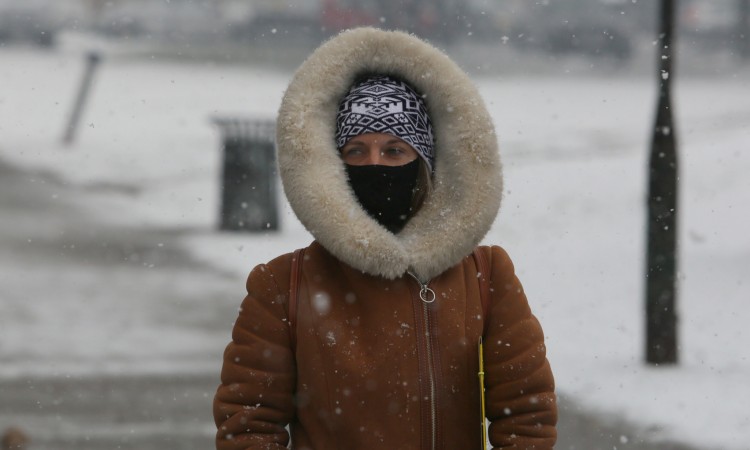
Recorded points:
427,296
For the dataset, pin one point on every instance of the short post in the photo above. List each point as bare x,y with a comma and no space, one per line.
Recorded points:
248,183
92,62
661,260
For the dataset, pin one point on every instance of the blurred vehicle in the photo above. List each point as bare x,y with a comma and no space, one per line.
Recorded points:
589,39
171,20
120,23
337,15
318,19
277,18
709,23
590,27
494,20
438,20
594,28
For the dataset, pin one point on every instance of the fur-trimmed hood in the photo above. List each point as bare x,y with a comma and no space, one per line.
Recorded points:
467,184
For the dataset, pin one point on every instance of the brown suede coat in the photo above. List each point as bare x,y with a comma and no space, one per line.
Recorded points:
377,368
372,365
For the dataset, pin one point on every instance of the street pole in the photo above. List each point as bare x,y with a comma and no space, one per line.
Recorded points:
661,259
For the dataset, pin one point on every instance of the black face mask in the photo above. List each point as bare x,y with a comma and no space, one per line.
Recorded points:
385,192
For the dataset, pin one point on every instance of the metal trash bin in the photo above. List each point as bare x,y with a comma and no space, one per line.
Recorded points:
248,182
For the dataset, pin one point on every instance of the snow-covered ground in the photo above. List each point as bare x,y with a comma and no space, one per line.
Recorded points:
575,151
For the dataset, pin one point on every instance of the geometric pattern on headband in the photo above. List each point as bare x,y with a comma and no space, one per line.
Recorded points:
382,104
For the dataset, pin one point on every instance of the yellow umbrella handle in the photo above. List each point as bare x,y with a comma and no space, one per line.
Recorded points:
481,395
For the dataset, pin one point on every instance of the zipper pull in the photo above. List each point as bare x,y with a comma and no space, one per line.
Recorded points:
426,294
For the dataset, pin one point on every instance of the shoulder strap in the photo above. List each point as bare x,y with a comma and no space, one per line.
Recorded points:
484,285
294,283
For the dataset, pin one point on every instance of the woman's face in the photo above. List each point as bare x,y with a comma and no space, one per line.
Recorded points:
377,149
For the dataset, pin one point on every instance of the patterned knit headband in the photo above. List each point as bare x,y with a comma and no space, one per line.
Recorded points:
381,104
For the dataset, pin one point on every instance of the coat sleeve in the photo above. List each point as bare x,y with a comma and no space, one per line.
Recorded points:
254,404
519,387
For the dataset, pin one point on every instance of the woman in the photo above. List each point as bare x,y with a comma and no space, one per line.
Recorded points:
368,339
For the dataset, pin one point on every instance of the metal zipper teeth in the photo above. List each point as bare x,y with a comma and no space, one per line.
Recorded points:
431,374
424,295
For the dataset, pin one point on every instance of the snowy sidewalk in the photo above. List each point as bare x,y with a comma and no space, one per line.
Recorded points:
111,337
143,299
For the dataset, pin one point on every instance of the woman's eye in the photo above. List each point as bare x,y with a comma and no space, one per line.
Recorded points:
395,151
350,152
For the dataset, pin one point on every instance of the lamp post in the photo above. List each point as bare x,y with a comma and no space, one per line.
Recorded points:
661,259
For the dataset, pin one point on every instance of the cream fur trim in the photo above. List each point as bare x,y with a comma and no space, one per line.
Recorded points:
467,180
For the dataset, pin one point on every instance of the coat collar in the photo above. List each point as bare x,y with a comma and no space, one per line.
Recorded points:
467,181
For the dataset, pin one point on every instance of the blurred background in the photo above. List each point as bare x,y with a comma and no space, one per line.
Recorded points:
138,189
240,31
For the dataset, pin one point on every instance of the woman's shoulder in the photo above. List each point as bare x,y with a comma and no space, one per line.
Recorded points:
275,272
495,255
497,262
279,270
